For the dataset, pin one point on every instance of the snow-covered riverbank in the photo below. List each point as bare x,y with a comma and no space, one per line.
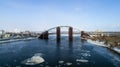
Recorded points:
14,40
116,49
97,43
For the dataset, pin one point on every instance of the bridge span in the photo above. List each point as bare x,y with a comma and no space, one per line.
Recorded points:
45,34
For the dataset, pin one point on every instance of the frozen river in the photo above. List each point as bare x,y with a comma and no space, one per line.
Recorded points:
49,53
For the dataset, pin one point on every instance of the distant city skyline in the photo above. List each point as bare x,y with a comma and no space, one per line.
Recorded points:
39,15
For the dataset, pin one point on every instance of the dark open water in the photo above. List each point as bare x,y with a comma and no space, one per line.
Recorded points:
12,54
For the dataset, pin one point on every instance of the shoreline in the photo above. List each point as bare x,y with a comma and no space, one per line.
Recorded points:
15,40
114,49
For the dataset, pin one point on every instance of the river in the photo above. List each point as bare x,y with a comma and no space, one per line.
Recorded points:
78,53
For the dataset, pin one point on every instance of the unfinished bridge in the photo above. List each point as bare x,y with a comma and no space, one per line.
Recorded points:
45,34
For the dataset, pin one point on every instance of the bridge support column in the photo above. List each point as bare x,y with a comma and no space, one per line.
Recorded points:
70,34
41,36
45,35
58,34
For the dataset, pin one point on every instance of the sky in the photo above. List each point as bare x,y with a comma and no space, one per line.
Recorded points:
40,15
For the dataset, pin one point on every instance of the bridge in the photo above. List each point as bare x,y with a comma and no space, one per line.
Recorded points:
45,34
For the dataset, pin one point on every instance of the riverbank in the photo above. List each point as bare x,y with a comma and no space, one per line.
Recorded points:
15,40
110,42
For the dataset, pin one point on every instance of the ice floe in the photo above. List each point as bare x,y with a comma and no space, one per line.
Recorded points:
85,54
18,66
60,62
36,59
82,60
68,63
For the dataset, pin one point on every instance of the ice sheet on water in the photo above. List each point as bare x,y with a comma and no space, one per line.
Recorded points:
60,62
36,59
85,54
18,66
68,63
82,60
88,51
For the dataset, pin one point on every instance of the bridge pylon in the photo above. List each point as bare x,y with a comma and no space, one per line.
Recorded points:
70,34
44,35
58,34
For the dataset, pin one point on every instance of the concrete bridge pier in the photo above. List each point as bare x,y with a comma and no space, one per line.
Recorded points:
44,35
58,34
70,34
41,36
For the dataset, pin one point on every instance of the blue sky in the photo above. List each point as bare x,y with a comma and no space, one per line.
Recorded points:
39,15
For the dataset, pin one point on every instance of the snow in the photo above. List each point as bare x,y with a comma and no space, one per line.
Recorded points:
116,49
85,54
68,63
97,43
82,60
60,62
36,59
102,44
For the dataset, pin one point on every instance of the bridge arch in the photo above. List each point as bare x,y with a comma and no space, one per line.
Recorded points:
60,27
44,34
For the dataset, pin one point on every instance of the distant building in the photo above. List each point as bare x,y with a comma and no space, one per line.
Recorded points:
7,35
2,32
27,32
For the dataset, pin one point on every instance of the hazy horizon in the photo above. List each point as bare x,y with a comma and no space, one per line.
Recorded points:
39,15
